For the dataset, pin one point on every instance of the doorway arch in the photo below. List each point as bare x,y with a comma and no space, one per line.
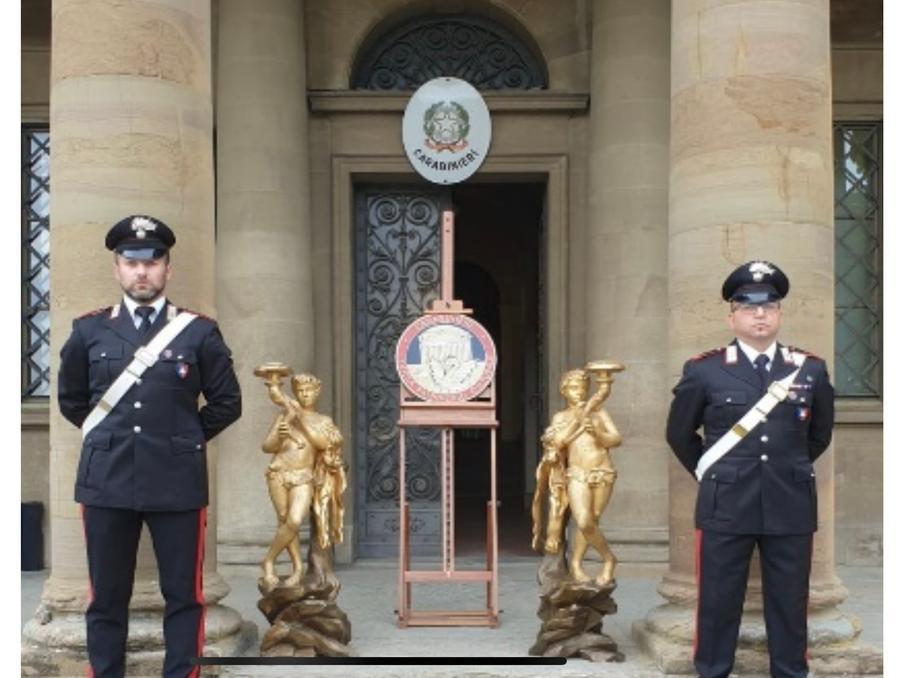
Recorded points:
475,48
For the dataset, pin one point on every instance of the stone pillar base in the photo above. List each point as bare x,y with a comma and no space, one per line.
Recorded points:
667,635
53,644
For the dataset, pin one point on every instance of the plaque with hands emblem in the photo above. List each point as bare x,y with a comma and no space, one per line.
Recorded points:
444,357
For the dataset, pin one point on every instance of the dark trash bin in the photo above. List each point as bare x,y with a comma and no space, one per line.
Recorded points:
32,536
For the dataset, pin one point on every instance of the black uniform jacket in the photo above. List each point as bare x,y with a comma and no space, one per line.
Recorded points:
765,484
149,453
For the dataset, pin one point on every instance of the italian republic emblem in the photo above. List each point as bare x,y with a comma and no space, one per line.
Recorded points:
446,127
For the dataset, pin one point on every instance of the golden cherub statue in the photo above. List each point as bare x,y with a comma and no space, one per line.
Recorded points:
577,470
306,472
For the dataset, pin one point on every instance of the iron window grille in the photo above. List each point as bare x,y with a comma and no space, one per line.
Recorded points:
858,258
35,261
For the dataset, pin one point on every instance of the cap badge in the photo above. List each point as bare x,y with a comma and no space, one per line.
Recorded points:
760,269
140,226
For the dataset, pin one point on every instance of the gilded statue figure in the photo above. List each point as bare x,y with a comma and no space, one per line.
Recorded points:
306,474
576,471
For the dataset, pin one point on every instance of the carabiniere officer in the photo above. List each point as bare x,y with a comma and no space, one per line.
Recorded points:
130,377
767,412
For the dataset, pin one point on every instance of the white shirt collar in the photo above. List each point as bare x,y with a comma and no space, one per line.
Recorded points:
131,304
751,352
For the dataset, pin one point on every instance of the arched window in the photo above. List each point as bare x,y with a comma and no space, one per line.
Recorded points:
476,49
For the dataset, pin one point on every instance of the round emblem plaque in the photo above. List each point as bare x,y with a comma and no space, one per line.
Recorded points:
446,130
446,357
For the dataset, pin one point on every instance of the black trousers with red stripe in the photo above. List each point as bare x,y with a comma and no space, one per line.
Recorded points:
723,563
112,537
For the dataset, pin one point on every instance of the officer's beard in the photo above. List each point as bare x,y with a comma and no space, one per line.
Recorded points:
148,294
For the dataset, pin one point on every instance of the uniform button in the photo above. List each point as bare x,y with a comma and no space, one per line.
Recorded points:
713,476
199,447
103,355
137,404
764,457
727,400
137,429
765,439
138,381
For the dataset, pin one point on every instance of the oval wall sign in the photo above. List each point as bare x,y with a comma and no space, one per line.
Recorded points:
446,130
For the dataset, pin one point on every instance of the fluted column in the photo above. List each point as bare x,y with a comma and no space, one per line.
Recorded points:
627,251
131,123
264,238
750,177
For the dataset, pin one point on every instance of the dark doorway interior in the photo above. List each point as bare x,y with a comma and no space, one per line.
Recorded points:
497,272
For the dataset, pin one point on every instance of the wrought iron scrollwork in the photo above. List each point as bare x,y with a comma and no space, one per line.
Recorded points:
476,49
398,274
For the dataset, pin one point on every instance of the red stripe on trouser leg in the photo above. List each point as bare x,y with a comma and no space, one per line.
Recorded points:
698,572
90,669
198,587
812,539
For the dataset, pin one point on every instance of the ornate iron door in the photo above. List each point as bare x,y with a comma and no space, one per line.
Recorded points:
398,255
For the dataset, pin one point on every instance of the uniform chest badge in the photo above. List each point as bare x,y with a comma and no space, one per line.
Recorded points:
182,370
802,413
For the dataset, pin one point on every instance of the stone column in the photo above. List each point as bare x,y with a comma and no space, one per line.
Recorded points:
265,275
750,177
627,251
131,122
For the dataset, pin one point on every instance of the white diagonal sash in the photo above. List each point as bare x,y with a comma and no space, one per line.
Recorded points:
144,358
776,393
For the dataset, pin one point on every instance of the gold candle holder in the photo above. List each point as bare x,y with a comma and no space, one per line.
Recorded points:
273,372
603,370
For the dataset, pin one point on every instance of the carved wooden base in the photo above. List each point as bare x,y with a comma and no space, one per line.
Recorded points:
303,624
306,621
572,615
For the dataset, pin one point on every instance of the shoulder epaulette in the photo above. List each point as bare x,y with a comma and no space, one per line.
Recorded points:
707,354
196,313
795,349
98,311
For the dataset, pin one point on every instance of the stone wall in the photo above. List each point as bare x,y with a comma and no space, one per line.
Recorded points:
334,32
859,441
35,448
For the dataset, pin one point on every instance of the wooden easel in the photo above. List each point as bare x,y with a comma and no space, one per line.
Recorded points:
479,412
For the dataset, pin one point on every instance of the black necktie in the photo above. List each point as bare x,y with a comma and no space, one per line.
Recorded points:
760,363
144,313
